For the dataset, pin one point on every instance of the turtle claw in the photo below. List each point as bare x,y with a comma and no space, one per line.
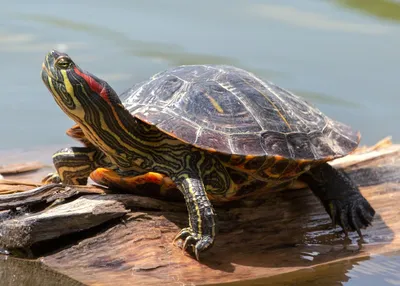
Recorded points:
198,242
51,178
352,214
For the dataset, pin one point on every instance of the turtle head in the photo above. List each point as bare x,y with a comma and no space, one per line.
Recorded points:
76,91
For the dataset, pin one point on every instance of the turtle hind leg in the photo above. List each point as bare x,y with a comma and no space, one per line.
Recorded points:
340,196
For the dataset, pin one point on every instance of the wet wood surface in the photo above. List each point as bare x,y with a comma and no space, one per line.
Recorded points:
285,232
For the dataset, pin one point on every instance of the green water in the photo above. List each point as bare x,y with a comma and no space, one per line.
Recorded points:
343,55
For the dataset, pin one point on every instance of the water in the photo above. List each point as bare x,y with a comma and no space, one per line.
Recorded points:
377,270
343,55
370,271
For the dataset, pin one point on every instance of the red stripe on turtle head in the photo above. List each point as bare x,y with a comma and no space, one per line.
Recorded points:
94,85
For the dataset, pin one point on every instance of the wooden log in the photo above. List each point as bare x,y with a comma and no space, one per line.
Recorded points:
14,271
21,230
19,168
83,213
289,231
21,196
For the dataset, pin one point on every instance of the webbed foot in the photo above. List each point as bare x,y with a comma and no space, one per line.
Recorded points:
341,197
198,242
352,213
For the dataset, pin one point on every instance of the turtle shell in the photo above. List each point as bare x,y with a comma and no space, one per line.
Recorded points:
231,111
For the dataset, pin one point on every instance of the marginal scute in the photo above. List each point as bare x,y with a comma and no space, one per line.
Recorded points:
180,129
247,144
299,145
155,117
213,139
275,143
321,144
230,111
338,142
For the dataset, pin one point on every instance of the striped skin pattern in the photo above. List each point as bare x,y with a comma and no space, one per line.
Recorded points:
200,127
75,164
89,161
133,145
76,167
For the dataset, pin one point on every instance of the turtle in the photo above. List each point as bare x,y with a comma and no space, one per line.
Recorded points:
162,186
219,133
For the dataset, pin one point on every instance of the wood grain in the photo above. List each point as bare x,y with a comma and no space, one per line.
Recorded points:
285,232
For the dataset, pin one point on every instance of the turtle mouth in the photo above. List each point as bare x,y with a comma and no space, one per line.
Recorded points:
47,74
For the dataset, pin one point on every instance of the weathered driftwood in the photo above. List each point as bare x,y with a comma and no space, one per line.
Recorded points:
22,229
19,168
14,271
18,194
289,231
82,213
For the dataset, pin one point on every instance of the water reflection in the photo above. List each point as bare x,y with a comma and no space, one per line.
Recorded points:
172,54
116,37
21,42
313,20
366,271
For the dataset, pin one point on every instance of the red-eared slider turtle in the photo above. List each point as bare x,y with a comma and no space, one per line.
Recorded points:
218,132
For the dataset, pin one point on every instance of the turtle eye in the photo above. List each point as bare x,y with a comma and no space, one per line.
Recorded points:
63,63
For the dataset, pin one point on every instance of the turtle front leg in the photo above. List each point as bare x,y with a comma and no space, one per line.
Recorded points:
74,165
201,231
340,196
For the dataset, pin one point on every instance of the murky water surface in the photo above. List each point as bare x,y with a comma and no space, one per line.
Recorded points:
342,55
